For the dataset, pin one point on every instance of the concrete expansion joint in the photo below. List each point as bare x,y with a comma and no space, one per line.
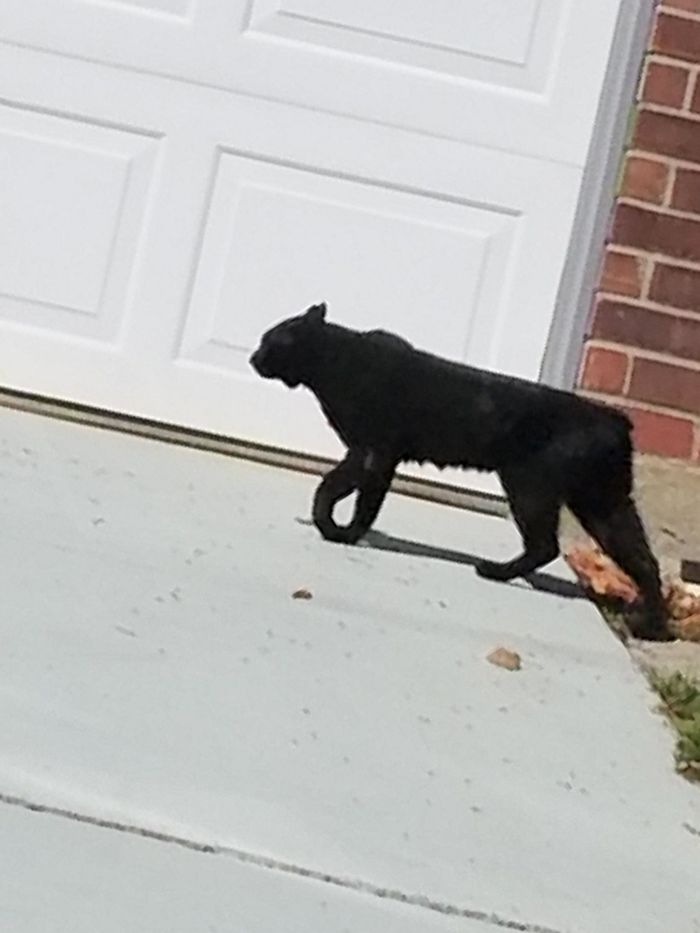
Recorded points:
272,864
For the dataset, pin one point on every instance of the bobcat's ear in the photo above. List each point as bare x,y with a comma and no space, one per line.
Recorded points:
316,313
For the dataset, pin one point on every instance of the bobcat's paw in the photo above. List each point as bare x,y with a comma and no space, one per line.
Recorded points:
338,534
492,570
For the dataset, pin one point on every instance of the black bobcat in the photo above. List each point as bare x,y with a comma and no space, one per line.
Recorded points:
390,403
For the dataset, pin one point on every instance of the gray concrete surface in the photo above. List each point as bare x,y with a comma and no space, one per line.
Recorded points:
669,496
69,877
157,677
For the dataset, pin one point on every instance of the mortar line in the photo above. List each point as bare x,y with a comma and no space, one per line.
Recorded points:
276,865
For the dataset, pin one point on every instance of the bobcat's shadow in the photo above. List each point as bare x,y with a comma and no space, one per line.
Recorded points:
544,582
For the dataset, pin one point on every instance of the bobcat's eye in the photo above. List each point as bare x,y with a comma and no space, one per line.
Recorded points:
283,341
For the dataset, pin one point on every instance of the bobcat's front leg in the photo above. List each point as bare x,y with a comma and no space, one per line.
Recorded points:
334,487
377,473
369,472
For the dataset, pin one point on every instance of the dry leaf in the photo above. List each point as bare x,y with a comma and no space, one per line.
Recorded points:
302,593
681,601
598,573
688,629
601,576
503,657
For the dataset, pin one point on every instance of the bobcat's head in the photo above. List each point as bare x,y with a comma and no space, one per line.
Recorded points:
287,350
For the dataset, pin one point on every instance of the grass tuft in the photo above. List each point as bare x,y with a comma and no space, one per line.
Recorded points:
681,700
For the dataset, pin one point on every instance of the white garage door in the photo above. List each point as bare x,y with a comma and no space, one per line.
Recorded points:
178,174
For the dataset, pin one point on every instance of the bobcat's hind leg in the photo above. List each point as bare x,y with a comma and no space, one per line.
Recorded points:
620,532
536,513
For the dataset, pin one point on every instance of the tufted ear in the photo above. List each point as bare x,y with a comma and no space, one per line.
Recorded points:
316,314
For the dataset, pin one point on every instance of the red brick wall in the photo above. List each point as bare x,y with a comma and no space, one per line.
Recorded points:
643,347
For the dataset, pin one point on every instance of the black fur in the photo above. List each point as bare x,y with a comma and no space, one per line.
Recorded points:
390,403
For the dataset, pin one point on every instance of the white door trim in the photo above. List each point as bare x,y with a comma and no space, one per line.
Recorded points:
581,271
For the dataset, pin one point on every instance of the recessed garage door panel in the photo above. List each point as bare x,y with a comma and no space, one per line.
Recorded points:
521,75
164,202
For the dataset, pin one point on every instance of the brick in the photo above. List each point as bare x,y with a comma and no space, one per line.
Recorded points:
645,179
661,434
664,384
679,288
647,329
686,191
604,370
677,37
678,237
669,135
687,6
622,274
665,84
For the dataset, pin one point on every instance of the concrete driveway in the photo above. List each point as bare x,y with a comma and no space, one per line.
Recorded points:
186,748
